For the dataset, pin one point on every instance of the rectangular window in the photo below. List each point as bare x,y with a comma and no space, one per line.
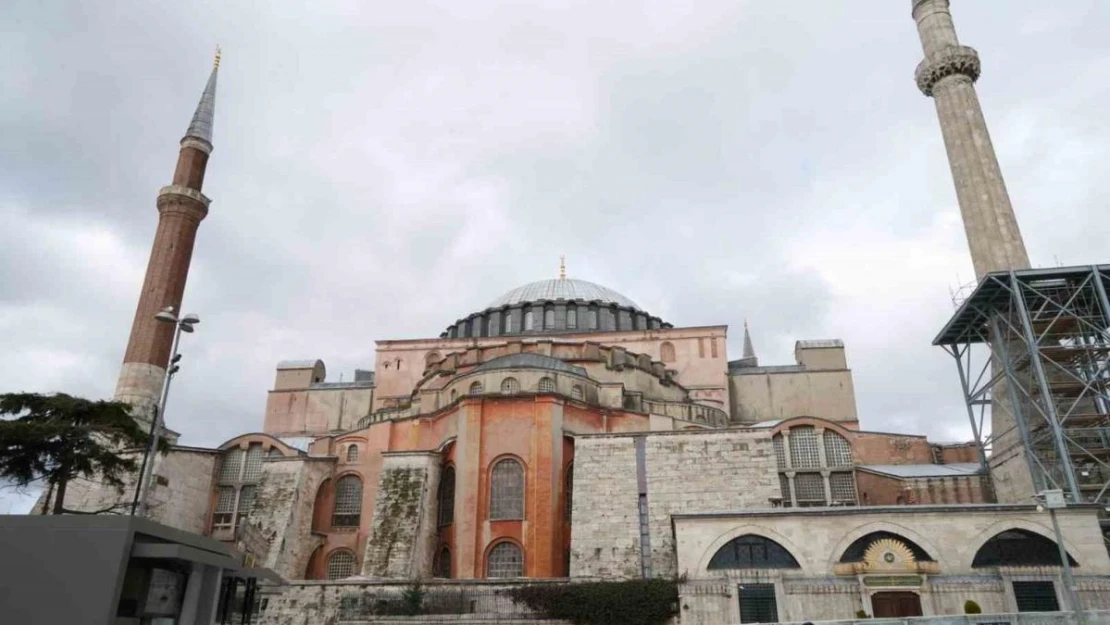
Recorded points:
527,320
549,319
784,485
230,466
804,453
701,348
713,347
809,489
572,318
508,322
225,507
253,470
757,604
843,487
591,320
246,502
1036,597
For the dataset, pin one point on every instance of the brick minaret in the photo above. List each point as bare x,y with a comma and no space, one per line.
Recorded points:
948,74
181,207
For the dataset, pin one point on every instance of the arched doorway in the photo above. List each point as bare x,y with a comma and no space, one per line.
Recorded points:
892,569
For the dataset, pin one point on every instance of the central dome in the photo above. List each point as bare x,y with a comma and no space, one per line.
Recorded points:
565,289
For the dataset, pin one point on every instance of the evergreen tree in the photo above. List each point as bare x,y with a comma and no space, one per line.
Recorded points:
57,438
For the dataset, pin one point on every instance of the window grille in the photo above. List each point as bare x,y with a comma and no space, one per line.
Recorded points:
547,385
253,469
666,352
348,502
275,453
1036,597
572,318
352,453
246,502
591,319
752,552
780,450
809,489
225,507
505,560
576,391
528,320
568,492
230,466
843,487
804,453
341,564
447,497
442,566
475,388
506,499
757,603
784,484
509,386
549,319
837,451
508,321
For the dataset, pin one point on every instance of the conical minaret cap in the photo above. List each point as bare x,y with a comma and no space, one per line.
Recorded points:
201,126
749,350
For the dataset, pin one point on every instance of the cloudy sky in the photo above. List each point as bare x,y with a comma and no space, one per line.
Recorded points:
384,168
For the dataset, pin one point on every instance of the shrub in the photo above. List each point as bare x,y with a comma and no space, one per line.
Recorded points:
412,599
633,602
970,607
861,614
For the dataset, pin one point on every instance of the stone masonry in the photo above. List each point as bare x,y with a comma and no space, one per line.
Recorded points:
283,511
401,543
604,539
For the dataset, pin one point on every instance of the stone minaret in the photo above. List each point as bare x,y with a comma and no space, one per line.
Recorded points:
181,207
948,74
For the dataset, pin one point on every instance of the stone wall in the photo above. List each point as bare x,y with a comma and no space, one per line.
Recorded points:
283,511
179,497
402,540
682,472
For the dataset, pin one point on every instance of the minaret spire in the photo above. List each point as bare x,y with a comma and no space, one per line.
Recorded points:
948,75
749,351
181,207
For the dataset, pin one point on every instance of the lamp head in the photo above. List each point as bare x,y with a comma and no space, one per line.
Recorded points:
190,319
166,315
186,327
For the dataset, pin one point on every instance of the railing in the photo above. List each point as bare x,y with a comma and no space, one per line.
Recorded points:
695,413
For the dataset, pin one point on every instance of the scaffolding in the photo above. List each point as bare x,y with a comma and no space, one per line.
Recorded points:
1032,348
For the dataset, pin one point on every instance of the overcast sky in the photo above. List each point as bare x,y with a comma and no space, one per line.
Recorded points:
381,169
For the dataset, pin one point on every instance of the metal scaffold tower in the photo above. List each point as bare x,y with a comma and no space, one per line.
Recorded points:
1033,349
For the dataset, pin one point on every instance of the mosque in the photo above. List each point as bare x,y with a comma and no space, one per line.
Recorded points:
563,432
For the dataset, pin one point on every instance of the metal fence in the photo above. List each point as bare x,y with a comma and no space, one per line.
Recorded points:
366,603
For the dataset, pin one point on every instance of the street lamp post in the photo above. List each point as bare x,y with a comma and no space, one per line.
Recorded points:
184,324
1054,500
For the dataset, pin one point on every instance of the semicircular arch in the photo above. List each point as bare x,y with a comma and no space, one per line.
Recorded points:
972,547
857,533
753,529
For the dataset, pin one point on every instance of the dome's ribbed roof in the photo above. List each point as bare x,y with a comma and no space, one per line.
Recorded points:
562,288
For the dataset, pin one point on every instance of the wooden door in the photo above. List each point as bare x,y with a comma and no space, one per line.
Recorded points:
896,604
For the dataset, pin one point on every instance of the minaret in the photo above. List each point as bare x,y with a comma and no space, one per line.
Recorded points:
749,351
948,74
181,207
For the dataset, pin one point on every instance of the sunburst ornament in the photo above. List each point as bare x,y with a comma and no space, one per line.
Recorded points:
888,553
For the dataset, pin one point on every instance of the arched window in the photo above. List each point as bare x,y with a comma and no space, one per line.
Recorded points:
568,492
838,453
780,450
475,388
1016,547
508,315
348,502
804,453
576,392
527,320
476,323
441,568
341,564
549,319
547,385
506,497
491,326
509,386
572,318
447,497
432,358
352,453
752,552
666,352
591,319
505,560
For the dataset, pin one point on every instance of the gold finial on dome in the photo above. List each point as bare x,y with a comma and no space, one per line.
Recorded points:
563,267
216,63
